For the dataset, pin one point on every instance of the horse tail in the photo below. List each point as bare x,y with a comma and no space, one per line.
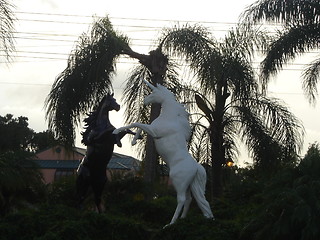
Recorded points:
198,188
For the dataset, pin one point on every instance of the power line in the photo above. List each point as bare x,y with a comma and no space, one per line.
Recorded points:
31,84
140,27
130,20
39,57
126,18
138,19
44,36
285,93
46,53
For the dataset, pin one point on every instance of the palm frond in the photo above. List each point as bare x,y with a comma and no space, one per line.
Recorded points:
241,78
311,74
267,124
256,137
7,28
133,95
199,147
191,43
230,134
282,124
210,71
296,40
300,11
244,40
85,80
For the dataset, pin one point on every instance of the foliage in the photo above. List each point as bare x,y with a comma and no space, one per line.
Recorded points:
254,206
60,222
131,196
86,79
43,140
17,133
198,228
290,205
300,34
20,181
7,28
18,136
62,191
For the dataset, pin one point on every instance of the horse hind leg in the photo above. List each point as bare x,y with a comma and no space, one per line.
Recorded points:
82,186
198,191
97,187
203,204
181,198
186,203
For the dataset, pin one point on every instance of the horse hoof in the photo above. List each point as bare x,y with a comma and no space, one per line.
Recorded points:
165,226
134,142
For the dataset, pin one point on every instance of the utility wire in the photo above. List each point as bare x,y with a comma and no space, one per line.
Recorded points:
44,36
126,18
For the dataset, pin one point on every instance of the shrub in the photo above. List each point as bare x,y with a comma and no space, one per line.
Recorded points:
61,222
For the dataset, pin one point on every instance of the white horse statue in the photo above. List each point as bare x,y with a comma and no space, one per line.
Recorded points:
171,131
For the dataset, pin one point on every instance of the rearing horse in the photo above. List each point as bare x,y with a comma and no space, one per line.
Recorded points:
171,131
100,140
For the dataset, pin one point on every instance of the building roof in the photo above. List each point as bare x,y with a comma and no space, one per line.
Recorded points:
57,164
124,163
118,161
115,163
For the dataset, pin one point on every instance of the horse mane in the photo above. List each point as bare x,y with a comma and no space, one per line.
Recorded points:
91,121
182,114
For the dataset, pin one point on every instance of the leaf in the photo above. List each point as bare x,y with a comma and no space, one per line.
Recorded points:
203,106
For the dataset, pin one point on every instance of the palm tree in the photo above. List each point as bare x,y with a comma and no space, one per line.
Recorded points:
230,98
301,33
6,28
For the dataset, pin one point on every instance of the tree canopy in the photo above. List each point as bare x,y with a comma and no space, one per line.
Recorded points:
17,136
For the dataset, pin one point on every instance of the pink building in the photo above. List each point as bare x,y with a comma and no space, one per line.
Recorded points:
56,162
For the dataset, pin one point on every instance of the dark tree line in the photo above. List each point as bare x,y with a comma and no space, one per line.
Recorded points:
20,181
17,136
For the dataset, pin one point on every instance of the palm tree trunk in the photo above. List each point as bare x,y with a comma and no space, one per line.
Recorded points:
151,157
156,62
157,65
218,158
217,149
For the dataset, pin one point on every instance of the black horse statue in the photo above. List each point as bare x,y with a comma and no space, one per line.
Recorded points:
100,140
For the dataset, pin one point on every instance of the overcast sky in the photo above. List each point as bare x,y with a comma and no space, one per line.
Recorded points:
47,31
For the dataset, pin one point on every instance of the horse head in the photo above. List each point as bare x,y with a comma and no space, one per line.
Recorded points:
158,95
109,103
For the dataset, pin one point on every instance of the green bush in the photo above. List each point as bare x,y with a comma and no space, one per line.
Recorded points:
60,222
290,207
284,205
63,191
197,228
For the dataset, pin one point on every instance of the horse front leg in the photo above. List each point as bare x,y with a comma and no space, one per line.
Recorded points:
136,136
121,129
145,127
